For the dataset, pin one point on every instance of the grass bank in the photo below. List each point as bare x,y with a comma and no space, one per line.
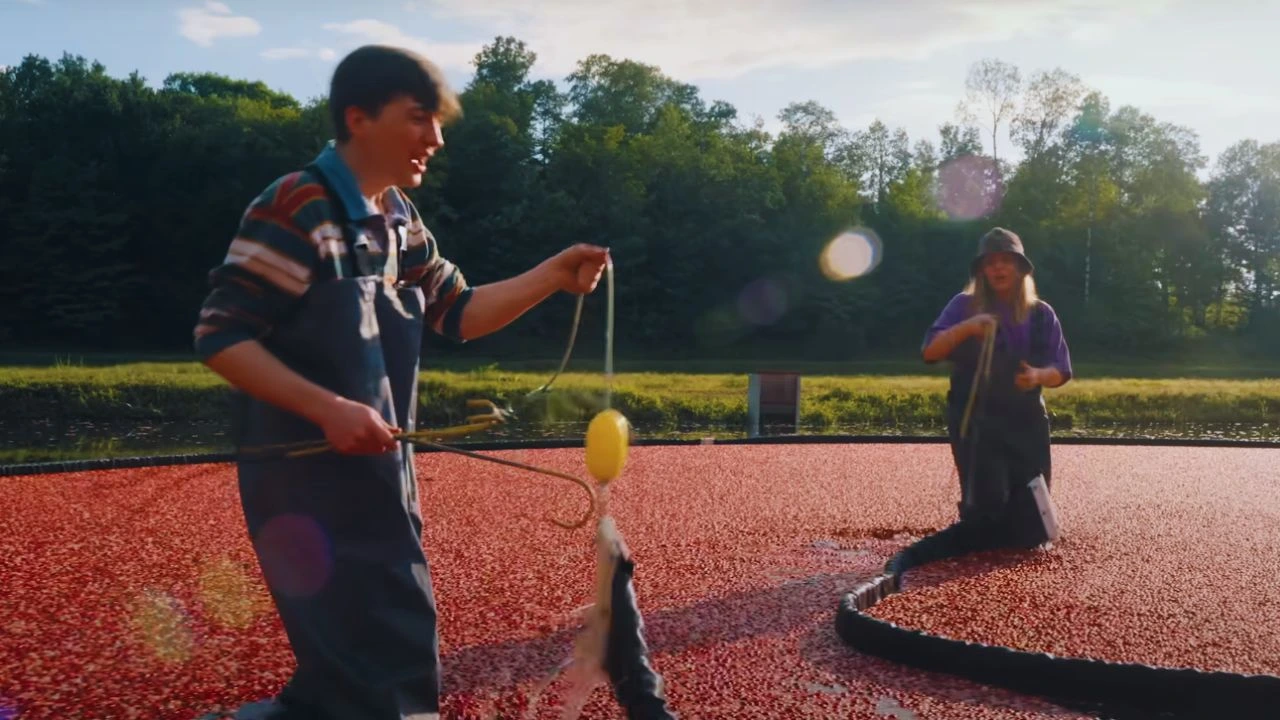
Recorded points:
879,398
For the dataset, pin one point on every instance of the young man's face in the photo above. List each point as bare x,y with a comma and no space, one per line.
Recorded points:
399,141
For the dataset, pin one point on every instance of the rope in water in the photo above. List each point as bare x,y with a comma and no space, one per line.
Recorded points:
1085,683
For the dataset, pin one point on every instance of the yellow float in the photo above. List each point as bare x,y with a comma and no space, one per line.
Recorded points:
608,441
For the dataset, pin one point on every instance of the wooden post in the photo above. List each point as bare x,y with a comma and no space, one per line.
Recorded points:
773,400
753,405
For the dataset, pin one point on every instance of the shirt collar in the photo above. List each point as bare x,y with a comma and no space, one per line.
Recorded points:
358,208
397,208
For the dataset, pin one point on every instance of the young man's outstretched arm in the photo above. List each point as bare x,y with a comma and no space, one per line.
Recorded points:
462,312
494,306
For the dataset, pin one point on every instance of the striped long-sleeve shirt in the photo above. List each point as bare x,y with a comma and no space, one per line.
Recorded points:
289,239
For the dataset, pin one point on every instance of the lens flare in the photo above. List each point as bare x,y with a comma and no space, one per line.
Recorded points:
295,552
159,622
969,188
762,302
851,254
228,595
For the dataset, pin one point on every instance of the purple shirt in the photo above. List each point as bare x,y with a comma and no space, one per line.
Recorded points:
1014,338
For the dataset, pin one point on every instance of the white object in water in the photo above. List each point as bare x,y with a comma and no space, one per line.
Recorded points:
1044,503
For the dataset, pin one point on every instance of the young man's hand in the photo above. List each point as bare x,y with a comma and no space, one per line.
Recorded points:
578,268
353,428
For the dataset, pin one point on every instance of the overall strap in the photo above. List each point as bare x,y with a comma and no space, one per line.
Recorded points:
357,246
1039,344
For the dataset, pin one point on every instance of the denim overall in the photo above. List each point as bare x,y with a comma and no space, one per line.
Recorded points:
339,536
1007,443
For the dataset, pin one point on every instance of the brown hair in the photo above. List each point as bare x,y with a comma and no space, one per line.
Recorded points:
373,75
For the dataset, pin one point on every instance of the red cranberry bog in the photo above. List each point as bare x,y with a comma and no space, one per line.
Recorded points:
765,571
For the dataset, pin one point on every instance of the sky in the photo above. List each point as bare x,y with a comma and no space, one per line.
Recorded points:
1212,69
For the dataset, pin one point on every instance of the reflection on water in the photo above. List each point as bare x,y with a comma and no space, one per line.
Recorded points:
24,441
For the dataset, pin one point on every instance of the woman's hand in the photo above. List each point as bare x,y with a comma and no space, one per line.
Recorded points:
979,325
1028,377
1031,377
947,340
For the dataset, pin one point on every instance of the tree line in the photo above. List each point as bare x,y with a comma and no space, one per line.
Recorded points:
117,197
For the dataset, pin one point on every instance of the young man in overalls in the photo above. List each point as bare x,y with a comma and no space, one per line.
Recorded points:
316,317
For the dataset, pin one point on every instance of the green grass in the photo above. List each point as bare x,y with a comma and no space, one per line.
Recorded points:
94,451
1206,362
880,395
829,400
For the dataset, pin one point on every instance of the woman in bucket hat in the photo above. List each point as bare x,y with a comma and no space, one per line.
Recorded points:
1000,440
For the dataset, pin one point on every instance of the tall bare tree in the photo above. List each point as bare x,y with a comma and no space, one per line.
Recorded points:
991,94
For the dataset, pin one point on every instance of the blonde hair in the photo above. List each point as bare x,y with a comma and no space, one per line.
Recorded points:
983,297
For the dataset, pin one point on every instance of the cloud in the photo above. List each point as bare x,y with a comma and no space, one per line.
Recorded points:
445,54
285,53
937,105
1093,34
202,25
1152,94
717,39
297,53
